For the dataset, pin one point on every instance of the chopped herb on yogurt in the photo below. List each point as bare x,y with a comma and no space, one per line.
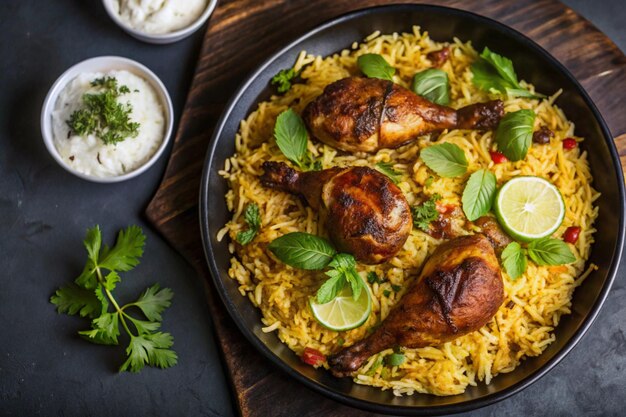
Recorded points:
103,115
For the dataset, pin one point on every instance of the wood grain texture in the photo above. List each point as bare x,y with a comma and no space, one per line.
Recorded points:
229,53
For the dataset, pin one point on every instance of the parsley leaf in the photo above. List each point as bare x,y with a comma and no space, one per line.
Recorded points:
514,260
425,213
375,66
153,301
91,296
253,220
446,159
283,79
478,194
72,299
387,169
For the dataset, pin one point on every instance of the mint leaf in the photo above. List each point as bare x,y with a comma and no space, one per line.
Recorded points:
128,248
387,169
71,299
153,301
502,65
303,250
548,251
514,260
478,194
331,287
433,85
291,137
375,66
446,159
514,134
252,218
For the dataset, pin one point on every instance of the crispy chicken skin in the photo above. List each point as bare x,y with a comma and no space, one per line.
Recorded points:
366,214
368,114
458,291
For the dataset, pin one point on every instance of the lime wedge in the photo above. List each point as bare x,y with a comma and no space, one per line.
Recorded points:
529,208
343,312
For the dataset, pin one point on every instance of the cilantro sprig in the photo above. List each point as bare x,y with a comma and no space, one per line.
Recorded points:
91,295
253,220
284,79
425,213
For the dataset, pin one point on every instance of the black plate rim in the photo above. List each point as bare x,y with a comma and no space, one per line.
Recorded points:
399,409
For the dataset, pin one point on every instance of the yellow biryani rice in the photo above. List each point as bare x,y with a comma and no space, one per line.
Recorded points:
523,326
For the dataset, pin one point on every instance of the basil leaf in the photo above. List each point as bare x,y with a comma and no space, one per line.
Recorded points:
549,251
485,77
502,65
375,66
395,359
514,260
291,136
303,250
515,134
432,84
478,194
387,169
329,289
446,159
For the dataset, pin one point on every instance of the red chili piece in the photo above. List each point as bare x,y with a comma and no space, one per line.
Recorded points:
497,157
569,143
571,234
313,357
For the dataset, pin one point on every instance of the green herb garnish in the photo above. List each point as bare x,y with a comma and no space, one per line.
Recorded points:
103,116
387,293
432,84
387,169
514,260
493,72
303,250
425,213
291,138
395,359
372,278
375,66
283,79
446,159
307,251
253,220
91,295
546,251
514,134
429,181
478,194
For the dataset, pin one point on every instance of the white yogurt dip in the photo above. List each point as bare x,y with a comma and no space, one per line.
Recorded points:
88,154
159,16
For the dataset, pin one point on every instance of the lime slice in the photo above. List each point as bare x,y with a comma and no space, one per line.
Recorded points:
343,312
529,208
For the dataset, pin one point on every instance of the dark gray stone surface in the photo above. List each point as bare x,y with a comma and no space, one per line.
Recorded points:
44,211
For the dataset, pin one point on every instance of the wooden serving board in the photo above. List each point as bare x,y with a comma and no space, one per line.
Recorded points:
243,33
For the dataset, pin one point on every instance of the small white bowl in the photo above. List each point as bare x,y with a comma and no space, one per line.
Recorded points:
163,38
104,64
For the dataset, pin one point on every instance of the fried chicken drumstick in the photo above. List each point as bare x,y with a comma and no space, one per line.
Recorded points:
459,290
368,114
367,214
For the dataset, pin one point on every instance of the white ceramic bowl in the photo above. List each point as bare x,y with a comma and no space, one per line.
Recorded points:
104,64
164,38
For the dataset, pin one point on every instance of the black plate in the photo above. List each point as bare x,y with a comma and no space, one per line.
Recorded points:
533,64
